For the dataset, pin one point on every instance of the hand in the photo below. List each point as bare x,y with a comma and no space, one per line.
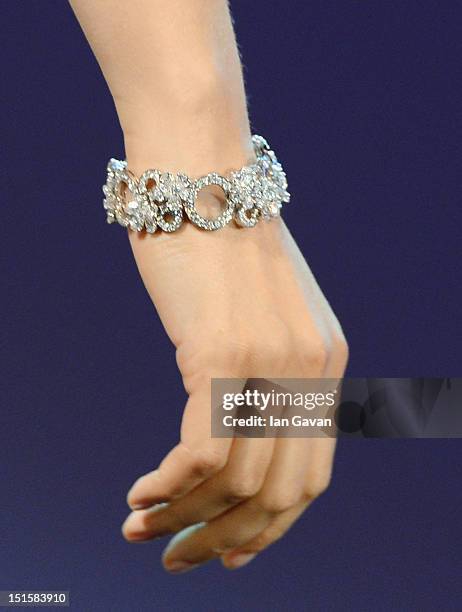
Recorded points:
237,303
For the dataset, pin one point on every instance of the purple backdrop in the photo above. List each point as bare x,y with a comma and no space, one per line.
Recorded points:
362,102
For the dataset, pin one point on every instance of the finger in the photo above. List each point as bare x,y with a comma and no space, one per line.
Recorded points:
240,479
275,530
296,475
194,459
181,470
319,457
244,522
195,546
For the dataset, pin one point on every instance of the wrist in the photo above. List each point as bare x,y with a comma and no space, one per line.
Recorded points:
193,127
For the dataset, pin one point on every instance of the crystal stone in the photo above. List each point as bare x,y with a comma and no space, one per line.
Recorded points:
160,199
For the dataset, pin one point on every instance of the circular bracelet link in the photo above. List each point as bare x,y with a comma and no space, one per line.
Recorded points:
190,206
170,217
159,199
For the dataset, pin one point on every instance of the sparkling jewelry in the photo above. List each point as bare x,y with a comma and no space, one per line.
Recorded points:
163,200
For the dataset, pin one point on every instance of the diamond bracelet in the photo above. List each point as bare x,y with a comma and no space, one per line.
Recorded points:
161,199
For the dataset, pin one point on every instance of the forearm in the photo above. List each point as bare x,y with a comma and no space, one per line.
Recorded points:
236,304
174,72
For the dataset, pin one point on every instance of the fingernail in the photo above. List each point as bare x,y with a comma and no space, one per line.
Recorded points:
179,566
240,560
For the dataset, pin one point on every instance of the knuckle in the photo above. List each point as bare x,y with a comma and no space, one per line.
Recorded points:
241,490
316,487
275,345
278,503
241,348
207,462
340,348
314,355
263,347
237,354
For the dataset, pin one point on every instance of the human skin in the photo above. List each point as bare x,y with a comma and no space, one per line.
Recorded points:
236,303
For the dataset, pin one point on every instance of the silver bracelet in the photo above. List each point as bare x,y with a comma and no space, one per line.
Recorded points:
162,199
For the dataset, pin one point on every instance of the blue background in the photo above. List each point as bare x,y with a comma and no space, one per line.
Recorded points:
362,101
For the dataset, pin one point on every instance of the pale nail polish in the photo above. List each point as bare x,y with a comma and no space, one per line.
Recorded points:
241,559
179,566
